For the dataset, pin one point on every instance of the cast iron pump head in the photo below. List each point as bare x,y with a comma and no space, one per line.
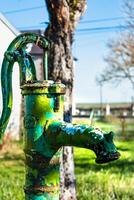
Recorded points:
45,131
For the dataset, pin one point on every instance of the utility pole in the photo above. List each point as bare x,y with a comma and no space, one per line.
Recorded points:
101,98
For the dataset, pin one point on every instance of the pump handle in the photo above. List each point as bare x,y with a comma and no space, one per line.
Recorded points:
16,52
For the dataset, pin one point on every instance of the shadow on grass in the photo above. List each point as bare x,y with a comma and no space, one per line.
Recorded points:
122,149
120,166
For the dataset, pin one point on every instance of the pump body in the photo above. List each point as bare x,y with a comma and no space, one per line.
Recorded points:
45,130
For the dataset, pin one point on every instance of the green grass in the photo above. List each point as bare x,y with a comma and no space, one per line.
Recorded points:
94,182
105,182
12,172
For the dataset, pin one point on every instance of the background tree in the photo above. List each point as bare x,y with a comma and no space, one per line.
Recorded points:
120,59
64,16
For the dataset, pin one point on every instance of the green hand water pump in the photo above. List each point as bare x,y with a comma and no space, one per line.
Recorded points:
45,131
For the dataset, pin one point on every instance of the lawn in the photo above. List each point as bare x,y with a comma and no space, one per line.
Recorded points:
94,182
11,172
108,181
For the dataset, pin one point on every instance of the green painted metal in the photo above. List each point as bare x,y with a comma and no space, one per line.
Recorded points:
16,52
42,158
45,130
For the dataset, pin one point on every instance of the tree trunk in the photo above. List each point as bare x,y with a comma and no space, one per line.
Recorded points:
64,16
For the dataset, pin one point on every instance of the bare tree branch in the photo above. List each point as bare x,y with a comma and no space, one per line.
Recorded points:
120,59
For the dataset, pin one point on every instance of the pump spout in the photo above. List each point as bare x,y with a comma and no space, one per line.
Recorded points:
66,134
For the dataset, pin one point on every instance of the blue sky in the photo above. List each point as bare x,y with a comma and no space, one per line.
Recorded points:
90,48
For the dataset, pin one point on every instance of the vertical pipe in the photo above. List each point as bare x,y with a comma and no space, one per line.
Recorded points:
42,158
45,65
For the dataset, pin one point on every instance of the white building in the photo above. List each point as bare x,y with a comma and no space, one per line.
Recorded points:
7,34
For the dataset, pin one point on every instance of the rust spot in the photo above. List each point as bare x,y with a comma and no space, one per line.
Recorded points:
40,189
55,161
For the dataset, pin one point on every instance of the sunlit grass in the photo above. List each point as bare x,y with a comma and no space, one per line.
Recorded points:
11,172
108,181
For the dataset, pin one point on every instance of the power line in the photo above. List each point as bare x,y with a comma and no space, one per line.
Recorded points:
101,28
98,20
84,30
30,27
102,20
95,32
23,10
82,22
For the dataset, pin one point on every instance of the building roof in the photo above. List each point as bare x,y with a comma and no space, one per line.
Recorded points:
87,106
8,25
